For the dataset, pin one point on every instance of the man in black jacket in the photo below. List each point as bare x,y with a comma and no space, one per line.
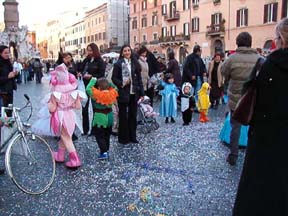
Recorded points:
194,70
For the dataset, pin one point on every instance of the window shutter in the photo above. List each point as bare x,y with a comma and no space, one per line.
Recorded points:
265,20
220,18
212,19
193,24
275,10
284,8
238,18
246,17
198,24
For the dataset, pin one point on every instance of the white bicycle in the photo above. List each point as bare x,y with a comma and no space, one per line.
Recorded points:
29,159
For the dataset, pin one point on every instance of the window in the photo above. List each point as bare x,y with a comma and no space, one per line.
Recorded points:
164,31
144,37
155,3
144,4
96,37
92,38
99,20
195,2
104,35
284,8
172,9
88,39
144,22
216,19
242,17
134,23
134,8
173,31
186,29
270,12
155,36
154,20
96,21
164,9
195,24
186,4
134,38
100,36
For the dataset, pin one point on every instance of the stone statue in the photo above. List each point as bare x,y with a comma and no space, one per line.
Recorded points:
4,38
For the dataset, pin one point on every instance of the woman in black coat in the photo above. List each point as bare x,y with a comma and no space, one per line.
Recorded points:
263,187
7,78
127,77
173,68
92,66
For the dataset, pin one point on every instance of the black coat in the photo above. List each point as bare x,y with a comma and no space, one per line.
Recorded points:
173,68
6,85
137,85
263,187
193,66
153,64
96,68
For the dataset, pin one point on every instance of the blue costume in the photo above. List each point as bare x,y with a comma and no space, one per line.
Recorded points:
168,106
226,130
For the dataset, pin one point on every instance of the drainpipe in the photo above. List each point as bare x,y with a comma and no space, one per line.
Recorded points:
229,8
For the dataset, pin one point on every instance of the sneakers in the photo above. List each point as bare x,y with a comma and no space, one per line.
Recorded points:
231,159
103,156
172,120
166,120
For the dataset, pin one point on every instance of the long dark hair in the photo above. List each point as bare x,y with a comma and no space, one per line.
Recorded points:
95,50
2,48
5,61
133,57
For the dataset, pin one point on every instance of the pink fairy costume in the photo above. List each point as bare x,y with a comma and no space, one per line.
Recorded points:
63,100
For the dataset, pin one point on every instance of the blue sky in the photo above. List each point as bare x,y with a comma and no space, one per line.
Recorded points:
35,11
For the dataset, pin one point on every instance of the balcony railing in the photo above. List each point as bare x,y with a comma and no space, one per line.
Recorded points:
174,38
172,17
216,2
215,30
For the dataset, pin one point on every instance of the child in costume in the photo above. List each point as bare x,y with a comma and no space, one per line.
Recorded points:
148,110
168,106
63,100
103,97
203,103
187,103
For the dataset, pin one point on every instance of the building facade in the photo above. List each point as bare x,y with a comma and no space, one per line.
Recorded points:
213,24
145,23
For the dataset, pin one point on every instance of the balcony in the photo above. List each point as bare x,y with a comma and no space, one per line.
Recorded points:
216,2
172,17
216,30
175,38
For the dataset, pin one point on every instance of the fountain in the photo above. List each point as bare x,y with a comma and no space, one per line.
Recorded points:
14,37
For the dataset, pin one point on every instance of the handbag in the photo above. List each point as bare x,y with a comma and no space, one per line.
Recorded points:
244,110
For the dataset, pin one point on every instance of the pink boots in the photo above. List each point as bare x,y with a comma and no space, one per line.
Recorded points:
59,156
74,160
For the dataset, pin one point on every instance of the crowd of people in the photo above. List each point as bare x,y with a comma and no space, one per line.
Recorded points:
115,92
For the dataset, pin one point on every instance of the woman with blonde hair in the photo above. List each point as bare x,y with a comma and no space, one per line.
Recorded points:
263,187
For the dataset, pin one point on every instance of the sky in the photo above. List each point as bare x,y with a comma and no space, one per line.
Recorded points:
36,11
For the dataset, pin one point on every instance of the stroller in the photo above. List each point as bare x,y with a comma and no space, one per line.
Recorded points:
146,116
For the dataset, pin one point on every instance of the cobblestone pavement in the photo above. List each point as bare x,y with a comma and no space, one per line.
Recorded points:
174,170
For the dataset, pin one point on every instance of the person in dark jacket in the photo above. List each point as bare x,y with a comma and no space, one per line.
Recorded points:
7,78
194,70
173,68
126,76
263,186
92,66
7,82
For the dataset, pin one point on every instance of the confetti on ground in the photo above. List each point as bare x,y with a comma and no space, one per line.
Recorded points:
175,170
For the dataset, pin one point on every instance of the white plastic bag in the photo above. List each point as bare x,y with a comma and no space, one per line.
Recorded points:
81,87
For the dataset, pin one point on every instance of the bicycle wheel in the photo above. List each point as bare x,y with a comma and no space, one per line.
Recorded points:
30,164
